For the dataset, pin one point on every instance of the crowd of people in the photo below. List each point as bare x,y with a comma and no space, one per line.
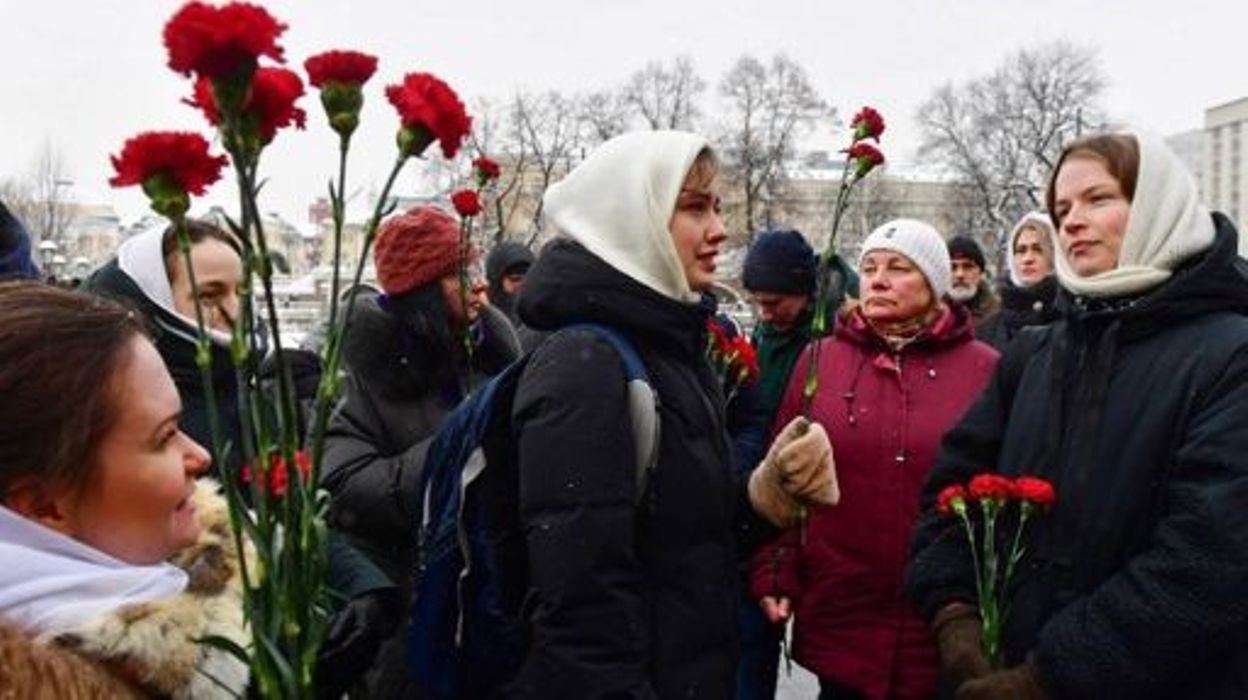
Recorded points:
1109,358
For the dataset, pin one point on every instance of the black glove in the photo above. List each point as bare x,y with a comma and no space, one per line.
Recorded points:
355,634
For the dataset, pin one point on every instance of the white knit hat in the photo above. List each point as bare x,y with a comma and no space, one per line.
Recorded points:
918,241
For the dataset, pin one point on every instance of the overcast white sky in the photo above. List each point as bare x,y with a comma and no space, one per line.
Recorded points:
86,74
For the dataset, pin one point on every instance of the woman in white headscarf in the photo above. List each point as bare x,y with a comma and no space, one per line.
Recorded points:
633,584
1029,293
1135,405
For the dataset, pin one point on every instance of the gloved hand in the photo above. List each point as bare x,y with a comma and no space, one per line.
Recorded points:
1021,682
355,634
797,471
958,633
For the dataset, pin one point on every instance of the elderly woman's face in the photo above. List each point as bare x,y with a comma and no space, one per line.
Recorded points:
1092,214
136,504
894,289
1031,259
464,308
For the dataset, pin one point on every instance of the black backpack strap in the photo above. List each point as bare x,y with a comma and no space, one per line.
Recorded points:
643,403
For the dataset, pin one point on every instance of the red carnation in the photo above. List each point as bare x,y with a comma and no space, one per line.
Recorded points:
867,124
272,100
344,67
747,358
1033,490
427,104
169,165
467,203
216,42
991,486
269,106
485,169
866,157
952,499
278,481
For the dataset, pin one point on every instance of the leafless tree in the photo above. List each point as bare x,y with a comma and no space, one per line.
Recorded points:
547,129
770,106
1002,132
603,114
666,97
41,199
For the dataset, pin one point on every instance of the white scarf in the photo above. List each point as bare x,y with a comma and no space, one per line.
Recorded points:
50,582
142,258
619,201
1166,226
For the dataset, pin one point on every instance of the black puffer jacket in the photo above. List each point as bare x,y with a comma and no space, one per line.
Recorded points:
625,601
376,440
1020,307
1136,585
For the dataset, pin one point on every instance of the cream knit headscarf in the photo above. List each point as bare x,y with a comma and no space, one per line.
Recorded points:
1167,225
619,201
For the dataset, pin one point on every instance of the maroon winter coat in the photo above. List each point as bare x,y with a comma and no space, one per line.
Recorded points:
885,413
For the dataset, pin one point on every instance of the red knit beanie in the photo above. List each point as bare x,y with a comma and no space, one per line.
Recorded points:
416,248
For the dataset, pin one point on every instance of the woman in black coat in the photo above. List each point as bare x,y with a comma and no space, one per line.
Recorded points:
407,368
1135,404
633,586
1029,293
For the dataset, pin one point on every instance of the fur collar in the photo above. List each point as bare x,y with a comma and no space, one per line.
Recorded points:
154,644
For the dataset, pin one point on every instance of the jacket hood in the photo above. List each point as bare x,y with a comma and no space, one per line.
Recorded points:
569,284
1167,226
619,201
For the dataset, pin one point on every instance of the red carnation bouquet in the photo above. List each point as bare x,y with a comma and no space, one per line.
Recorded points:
276,505
732,357
995,496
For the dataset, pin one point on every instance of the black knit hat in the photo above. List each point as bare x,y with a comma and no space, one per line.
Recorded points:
781,262
966,247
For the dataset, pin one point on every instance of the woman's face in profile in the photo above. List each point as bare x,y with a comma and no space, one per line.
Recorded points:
697,229
136,504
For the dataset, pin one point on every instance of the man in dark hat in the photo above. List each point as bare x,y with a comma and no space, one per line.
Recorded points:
970,285
16,261
505,268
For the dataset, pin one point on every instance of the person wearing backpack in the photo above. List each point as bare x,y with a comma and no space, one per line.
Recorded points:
406,370
637,597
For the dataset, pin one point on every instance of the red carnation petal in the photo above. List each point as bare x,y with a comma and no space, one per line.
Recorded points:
348,67
181,156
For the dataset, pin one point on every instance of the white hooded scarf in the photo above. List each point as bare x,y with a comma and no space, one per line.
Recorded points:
1166,226
50,582
618,203
142,258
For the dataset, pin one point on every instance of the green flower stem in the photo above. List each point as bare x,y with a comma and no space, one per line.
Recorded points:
465,333
819,321
328,388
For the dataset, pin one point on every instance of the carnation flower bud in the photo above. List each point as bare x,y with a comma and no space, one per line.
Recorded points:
342,102
413,140
166,197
